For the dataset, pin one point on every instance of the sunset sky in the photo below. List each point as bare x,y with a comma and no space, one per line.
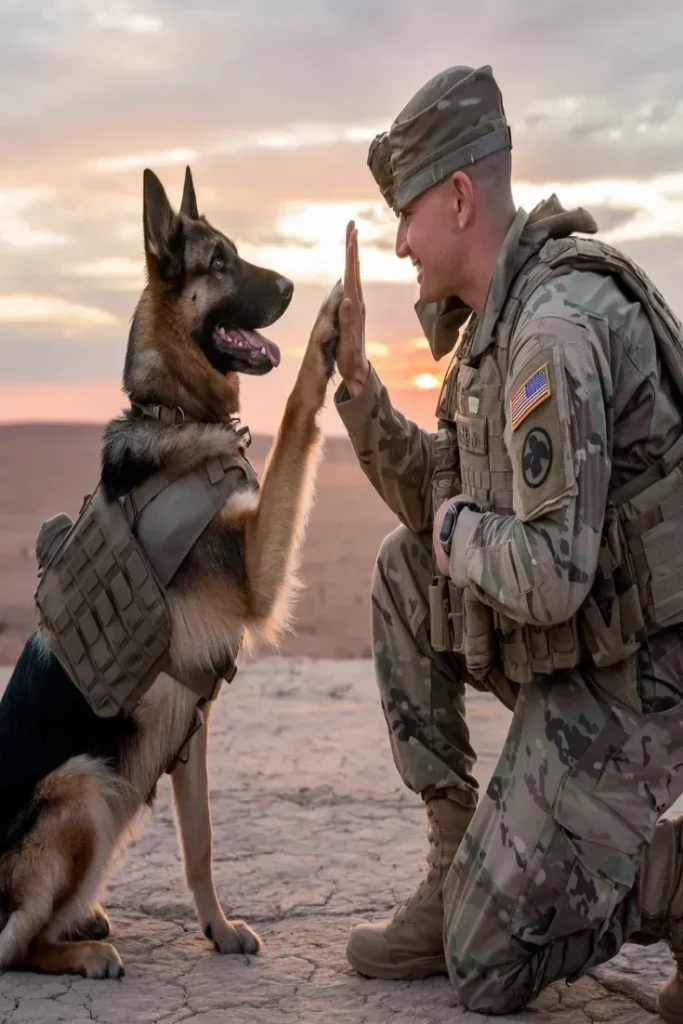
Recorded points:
274,103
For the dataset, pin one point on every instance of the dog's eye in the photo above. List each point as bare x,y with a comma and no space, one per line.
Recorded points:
217,264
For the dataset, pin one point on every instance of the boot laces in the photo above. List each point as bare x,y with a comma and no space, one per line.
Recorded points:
434,865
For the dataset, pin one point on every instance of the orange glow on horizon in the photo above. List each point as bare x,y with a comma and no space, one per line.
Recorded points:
426,382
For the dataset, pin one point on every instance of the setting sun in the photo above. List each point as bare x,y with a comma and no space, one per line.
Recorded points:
426,382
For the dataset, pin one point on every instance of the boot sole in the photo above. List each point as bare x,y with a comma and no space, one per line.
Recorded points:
411,970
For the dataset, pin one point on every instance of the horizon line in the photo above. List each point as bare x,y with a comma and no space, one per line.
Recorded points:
88,424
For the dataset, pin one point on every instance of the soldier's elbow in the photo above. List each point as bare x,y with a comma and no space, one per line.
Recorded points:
416,523
559,602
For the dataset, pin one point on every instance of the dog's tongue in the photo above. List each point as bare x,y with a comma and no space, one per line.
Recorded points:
258,342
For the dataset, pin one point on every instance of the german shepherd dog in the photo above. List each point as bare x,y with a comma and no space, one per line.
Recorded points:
72,784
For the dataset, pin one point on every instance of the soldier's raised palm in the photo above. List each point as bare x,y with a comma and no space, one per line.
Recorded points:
352,361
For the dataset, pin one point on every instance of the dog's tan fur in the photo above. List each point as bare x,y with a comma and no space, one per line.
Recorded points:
52,880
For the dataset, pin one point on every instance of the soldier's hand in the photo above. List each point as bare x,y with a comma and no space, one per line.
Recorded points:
443,528
352,362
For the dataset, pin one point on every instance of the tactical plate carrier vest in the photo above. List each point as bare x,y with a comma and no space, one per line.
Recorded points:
101,599
638,588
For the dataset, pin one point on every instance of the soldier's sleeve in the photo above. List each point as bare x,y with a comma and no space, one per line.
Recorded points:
394,453
538,564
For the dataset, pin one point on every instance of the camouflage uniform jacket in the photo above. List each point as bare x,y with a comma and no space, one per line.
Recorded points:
538,426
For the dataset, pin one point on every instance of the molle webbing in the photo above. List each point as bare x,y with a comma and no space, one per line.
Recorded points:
101,597
103,614
639,584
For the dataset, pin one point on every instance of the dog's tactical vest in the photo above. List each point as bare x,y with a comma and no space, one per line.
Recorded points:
638,588
102,605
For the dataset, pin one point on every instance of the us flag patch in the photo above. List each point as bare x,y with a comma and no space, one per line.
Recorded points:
533,391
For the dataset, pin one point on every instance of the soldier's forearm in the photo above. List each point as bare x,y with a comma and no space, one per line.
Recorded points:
535,572
394,454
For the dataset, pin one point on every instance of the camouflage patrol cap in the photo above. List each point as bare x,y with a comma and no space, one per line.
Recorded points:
454,120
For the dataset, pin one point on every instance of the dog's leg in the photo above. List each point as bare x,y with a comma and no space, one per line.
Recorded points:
53,877
191,798
274,530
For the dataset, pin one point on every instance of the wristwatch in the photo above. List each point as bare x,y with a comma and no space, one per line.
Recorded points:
450,521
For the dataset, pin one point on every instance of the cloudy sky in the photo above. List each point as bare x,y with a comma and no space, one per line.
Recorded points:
274,103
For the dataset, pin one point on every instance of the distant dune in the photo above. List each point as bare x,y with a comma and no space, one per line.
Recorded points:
46,469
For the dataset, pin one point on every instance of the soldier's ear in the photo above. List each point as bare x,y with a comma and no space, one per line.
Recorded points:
160,222
189,203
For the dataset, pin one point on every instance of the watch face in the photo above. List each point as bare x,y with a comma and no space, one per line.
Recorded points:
448,524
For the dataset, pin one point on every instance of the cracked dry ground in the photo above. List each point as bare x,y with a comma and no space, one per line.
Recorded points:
313,832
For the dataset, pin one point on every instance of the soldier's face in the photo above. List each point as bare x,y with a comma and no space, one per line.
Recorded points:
430,233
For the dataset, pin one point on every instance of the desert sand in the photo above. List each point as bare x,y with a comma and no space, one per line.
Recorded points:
313,833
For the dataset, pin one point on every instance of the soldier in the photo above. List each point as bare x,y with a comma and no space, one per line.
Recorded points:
538,557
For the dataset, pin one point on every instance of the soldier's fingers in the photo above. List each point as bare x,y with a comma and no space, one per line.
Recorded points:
349,274
349,228
349,234
350,324
359,284
356,267
350,278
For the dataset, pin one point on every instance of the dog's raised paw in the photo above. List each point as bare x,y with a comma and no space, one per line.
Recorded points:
329,327
329,350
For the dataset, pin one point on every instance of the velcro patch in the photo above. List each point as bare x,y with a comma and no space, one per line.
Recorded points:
529,396
542,457
472,434
537,457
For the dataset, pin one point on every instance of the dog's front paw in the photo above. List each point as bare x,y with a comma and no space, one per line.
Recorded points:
321,352
232,937
327,326
99,960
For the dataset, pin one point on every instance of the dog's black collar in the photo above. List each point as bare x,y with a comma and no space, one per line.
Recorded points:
177,417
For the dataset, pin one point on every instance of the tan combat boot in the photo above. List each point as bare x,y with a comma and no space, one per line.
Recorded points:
661,907
410,945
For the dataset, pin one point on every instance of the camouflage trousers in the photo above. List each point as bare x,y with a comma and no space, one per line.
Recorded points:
545,884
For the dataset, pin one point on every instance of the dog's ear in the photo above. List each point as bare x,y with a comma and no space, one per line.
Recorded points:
189,203
159,220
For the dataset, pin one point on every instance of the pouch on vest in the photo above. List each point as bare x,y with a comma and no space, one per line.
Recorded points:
610,617
478,638
102,612
461,624
446,615
438,614
51,534
647,592
652,524
527,651
101,599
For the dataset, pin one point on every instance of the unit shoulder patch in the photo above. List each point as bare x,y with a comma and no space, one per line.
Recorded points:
537,457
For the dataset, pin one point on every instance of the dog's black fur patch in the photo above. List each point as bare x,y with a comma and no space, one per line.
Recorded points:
44,721
119,478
